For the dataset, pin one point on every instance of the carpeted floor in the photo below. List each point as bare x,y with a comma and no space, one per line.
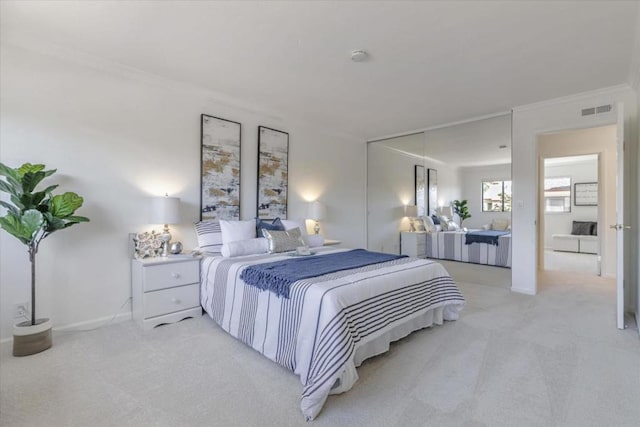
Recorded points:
511,360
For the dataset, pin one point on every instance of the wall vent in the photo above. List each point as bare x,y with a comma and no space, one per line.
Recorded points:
601,109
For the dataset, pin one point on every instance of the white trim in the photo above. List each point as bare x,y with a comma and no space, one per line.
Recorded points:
94,323
610,90
444,125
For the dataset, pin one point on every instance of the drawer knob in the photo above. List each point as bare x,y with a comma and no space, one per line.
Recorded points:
175,275
175,300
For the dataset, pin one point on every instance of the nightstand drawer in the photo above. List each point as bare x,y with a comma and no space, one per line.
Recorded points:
169,275
170,300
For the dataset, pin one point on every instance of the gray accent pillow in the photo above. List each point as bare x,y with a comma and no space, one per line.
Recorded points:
582,228
283,241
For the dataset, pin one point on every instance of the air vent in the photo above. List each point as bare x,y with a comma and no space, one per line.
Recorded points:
602,109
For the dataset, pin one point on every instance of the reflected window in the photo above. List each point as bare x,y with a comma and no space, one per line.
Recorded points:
496,196
557,194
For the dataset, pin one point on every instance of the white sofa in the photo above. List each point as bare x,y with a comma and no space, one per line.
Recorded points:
575,243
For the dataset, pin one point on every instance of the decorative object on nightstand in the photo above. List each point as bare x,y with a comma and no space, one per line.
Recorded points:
413,243
317,212
165,210
176,248
31,217
411,211
165,290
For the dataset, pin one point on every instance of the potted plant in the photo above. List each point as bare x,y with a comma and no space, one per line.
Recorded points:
460,208
31,217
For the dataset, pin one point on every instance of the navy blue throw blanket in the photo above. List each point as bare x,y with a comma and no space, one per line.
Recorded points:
486,236
279,275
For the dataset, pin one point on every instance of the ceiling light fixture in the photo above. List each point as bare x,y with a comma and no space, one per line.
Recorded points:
358,55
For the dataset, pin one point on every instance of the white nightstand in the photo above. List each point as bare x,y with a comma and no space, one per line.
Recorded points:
413,243
165,290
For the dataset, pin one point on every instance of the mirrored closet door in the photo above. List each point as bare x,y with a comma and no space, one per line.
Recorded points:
445,194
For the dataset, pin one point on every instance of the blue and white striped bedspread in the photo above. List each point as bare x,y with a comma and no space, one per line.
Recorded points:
317,330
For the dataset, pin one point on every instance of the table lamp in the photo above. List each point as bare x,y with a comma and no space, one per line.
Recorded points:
165,210
411,211
317,211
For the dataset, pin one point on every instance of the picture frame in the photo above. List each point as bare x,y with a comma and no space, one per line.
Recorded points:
220,160
585,194
432,187
420,189
273,173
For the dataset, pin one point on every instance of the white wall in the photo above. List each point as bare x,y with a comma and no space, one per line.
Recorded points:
562,222
471,178
391,176
118,136
554,115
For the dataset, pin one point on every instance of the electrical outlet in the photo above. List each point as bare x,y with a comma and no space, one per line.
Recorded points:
21,310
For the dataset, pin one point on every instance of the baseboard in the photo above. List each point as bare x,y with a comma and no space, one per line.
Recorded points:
525,291
86,324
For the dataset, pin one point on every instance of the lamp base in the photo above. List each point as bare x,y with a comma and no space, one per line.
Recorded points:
316,228
166,238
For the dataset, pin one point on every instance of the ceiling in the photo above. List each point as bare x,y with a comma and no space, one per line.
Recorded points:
430,62
476,143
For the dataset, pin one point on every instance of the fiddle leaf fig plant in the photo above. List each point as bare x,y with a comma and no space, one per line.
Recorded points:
460,207
32,215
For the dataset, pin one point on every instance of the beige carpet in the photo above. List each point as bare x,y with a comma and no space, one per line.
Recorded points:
511,360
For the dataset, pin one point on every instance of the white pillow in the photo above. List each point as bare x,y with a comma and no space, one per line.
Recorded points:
499,224
209,236
429,224
290,224
314,240
486,227
232,231
259,245
452,226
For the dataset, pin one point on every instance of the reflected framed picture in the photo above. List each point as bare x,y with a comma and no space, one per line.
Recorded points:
585,194
273,173
420,188
432,186
219,168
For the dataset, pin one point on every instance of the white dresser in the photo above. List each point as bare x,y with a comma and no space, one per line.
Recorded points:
165,290
413,243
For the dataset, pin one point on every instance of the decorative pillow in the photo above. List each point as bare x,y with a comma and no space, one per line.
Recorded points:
594,229
452,225
232,231
582,228
209,236
429,225
245,247
418,224
435,219
438,228
499,224
264,225
283,241
486,227
290,224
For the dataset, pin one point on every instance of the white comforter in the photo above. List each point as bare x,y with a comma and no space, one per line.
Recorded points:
317,331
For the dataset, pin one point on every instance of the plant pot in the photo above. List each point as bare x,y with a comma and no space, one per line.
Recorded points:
30,339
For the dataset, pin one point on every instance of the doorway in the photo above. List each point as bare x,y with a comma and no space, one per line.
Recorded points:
570,214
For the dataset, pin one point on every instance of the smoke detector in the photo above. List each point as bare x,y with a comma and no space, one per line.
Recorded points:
358,55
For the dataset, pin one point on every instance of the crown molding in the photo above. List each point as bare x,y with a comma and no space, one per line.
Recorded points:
83,59
610,90
441,126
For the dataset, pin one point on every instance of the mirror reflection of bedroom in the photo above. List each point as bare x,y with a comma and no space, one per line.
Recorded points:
445,194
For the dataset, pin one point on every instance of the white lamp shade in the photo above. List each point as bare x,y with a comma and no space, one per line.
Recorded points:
317,211
411,211
165,210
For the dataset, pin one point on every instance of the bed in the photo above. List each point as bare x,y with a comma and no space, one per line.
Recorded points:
452,245
329,324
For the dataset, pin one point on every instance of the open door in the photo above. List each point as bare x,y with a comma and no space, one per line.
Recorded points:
619,226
